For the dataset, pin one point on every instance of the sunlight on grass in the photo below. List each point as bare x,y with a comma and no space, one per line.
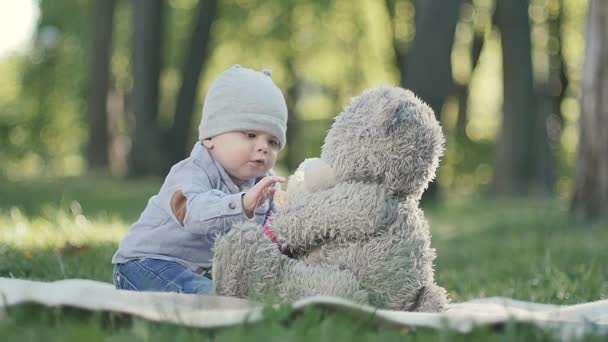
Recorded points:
66,227
57,228
58,244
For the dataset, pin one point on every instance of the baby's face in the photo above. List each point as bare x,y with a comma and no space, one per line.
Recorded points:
244,155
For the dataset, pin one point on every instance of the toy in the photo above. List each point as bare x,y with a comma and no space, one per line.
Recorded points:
351,223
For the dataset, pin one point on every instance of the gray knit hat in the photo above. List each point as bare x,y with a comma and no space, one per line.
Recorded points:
244,99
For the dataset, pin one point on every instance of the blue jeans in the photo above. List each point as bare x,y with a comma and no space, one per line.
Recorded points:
160,275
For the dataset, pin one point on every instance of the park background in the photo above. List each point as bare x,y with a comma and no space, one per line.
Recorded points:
99,98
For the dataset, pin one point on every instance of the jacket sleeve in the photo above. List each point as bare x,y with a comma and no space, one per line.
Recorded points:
208,210
213,212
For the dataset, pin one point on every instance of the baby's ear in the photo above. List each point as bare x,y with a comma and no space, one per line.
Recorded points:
208,143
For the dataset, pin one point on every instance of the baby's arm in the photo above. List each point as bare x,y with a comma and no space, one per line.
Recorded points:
205,212
200,209
261,192
189,198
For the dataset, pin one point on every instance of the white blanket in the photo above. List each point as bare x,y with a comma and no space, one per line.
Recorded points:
567,322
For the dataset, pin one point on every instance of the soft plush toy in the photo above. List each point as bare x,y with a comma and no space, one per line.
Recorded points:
351,225
312,175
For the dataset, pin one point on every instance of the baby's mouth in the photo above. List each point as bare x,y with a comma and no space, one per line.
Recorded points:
259,162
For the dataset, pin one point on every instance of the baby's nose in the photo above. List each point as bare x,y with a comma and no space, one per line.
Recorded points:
263,146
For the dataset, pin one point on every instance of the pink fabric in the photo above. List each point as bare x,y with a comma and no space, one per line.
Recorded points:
272,236
269,232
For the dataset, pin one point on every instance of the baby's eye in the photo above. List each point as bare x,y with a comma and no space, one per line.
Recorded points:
274,143
249,134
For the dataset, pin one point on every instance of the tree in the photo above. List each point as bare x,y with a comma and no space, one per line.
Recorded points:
292,159
400,47
514,171
550,93
98,143
196,58
461,90
429,69
590,200
146,156
558,80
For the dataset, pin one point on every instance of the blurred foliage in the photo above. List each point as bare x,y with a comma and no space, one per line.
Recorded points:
41,119
336,50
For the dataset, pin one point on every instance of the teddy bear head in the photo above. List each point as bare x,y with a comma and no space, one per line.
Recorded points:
387,136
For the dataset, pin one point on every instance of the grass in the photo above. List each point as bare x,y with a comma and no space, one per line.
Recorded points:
69,228
526,249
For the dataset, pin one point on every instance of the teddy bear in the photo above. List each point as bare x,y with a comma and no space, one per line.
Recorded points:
355,229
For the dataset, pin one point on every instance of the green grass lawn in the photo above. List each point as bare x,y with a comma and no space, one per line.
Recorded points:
69,228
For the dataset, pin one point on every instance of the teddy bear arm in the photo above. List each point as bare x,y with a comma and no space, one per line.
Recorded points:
432,298
346,212
304,280
237,255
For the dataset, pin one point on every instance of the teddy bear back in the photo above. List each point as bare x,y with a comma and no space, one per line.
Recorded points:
388,136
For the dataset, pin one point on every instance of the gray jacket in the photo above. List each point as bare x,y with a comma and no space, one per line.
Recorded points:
213,206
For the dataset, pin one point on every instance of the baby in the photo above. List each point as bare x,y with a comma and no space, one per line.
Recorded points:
226,180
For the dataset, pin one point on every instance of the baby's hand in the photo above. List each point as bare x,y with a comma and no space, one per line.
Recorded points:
263,190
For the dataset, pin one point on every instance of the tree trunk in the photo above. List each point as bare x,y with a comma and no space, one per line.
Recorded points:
549,96
399,49
514,171
590,201
557,65
196,58
99,73
429,69
544,161
146,154
292,159
463,91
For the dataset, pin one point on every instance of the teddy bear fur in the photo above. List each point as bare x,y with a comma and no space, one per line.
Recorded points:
361,236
